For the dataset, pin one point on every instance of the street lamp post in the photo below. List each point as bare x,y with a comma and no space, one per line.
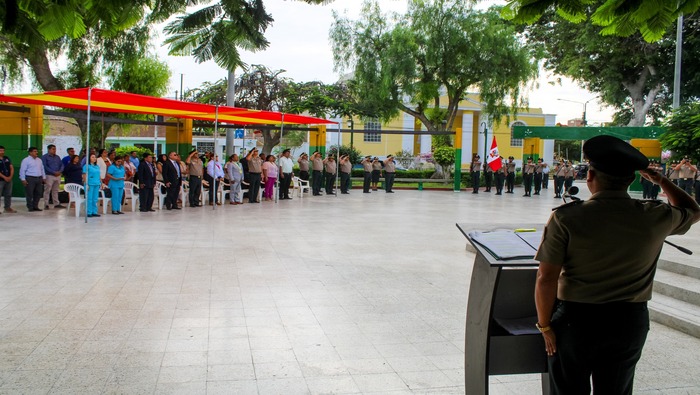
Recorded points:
583,119
486,142
351,125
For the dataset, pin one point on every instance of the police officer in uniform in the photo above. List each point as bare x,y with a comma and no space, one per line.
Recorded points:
528,173
686,175
510,175
389,173
500,177
367,166
597,261
475,169
488,177
545,175
570,175
317,175
538,176
559,176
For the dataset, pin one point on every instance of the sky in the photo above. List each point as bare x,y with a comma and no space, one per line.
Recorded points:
299,44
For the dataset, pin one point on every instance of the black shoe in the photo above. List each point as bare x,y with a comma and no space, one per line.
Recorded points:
345,193
366,192
537,193
174,208
36,209
152,210
498,193
96,215
120,212
389,191
115,212
475,192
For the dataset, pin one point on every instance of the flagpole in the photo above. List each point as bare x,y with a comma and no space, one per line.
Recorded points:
337,161
275,190
87,152
216,137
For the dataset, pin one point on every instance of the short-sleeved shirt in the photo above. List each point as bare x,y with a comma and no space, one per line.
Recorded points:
561,171
116,172
330,167
317,164
510,168
367,165
346,167
608,246
529,168
686,172
303,164
255,165
487,168
389,167
376,166
195,168
571,172
476,166
93,175
271,169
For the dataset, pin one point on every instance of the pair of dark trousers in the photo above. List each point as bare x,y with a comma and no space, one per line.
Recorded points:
686,184
500,179
389,181
366,181
172,195
254,187
304,175
476,175
545,180
608,353
195,193
510,182
285,183
316,182
330,183
34,190
212,191
527,183
538,182
344,182
697,191
6,192
145,198
568,182
558,185
488,180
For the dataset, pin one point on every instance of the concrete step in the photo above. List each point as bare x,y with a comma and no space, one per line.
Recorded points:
681,316
679,268
678,286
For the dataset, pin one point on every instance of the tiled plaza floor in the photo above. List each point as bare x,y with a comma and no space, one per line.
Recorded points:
350,294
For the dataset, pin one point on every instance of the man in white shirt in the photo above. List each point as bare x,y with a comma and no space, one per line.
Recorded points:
216,172
31,173
286,173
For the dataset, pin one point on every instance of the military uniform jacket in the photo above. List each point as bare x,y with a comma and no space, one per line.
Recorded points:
560,171
529,168
503,169
539,167
367,165
570,172
476,166
487,168
510,168
317,164
608,246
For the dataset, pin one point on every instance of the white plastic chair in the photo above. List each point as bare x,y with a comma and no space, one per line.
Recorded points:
159,192
184,192
224,193
104,199
300,186
74,196
129,194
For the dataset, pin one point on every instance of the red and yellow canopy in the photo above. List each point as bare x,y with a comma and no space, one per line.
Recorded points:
103,100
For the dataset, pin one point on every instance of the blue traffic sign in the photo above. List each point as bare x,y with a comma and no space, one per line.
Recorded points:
239,133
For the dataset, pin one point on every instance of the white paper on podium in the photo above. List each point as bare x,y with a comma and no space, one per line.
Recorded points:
506,244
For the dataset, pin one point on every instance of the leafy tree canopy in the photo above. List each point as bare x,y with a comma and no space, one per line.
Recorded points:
651,18
440,47
683,132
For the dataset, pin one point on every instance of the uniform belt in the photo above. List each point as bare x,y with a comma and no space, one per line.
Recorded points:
687,178
196,176
33,177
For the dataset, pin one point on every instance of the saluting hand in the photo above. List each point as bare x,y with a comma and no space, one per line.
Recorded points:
651,175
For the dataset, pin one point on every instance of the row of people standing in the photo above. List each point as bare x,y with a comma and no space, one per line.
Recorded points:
534,174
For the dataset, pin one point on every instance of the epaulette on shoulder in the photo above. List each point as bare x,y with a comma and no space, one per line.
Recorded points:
570,204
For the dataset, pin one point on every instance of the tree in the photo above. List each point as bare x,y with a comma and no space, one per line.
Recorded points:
651,18
445,157
405,63
627,73
353,153
683,132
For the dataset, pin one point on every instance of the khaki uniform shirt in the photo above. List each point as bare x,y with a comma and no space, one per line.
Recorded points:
303,164
317,164
608,246
376,166
571,172
529,168
502,170
389,167
255,165
196,168
510,168
476,166
686,172
539,167
346,167
330,166
487,168
367,165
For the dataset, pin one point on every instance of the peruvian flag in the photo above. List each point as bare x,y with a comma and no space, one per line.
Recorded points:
494,158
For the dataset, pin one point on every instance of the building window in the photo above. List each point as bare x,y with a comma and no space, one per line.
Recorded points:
373,124
513,141
205,146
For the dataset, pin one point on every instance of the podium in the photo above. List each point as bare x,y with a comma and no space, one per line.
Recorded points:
501,337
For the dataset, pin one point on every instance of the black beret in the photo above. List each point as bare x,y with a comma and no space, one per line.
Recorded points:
613,156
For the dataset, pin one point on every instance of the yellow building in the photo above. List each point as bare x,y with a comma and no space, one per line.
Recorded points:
469,118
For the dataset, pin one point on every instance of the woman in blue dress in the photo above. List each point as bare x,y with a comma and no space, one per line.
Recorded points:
116,173
93,183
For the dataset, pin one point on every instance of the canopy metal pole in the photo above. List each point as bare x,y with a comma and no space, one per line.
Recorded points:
275,190
87,151
216,137
337,162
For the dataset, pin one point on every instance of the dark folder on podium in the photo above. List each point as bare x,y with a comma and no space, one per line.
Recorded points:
508,244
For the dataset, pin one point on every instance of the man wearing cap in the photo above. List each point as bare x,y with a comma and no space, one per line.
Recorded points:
367,166
539,168
331,170
597,263
475,169
500,177
570,175
686,175
488,177
317,174
389,173
345,173
545,175
559,176
528,172
510,175
286,174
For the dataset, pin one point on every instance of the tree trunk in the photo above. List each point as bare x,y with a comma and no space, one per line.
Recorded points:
270,140
39,63
641,102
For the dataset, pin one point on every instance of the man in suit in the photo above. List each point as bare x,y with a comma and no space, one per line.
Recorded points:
171,178
146,174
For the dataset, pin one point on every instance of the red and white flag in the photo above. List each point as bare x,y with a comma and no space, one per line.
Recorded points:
494,158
